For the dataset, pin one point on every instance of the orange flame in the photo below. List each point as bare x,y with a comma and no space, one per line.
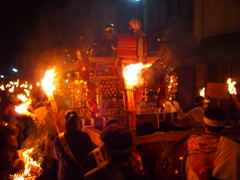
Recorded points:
38,84
11,90
202,92
2,87
29,163
47,82
132,74
231,86
23,107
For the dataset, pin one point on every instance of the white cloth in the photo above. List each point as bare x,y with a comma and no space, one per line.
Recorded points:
136,25
227,160
171,106
196,114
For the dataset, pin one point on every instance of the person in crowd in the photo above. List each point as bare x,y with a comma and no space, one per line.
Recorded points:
44,102
8,150
15,118
196,114
211,155
118,144
50,165
97,156
71,147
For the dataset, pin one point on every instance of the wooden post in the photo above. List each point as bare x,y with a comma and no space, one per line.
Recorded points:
56,116
131,119
236,101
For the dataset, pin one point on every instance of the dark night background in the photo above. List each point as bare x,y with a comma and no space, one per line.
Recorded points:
34,32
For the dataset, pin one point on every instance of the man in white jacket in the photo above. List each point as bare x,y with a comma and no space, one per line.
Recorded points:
196,113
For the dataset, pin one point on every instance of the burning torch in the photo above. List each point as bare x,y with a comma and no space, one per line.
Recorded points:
23,107
132,78
232,91
49,87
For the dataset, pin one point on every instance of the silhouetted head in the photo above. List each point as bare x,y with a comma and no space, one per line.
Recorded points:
200,101
111,122
8,145
71,119
214,119
118,142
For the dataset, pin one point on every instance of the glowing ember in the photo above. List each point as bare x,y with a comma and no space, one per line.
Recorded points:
23,107
231,86
202,92
132,74
38,84
47,82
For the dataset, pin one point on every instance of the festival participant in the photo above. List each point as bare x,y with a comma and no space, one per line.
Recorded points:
15,118
196,113
108,43
44,102
211,155
97,156
118,144
135,27
71,147
8,149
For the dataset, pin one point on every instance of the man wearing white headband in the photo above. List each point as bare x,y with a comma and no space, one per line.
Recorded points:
210,155
196,113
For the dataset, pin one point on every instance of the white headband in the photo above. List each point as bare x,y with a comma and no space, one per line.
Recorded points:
214,123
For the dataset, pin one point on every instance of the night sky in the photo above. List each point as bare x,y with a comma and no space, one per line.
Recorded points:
35,32
32,31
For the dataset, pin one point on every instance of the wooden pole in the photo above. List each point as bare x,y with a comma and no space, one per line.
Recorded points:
56,116
131,119
236,101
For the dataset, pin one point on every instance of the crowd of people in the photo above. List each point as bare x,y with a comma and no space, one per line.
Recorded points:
72,155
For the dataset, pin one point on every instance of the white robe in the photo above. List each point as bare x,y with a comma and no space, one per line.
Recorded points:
226,162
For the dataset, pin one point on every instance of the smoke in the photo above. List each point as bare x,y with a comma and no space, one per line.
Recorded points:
152,74
36,140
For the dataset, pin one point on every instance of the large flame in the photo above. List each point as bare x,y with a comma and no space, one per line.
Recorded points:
132,74
31,167
47,82
202,92
23,107
231,86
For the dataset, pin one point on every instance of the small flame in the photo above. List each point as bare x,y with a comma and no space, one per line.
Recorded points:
231,86
11,90
202,92
2,87
47,82
132,74
23,107
38,84
27,92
